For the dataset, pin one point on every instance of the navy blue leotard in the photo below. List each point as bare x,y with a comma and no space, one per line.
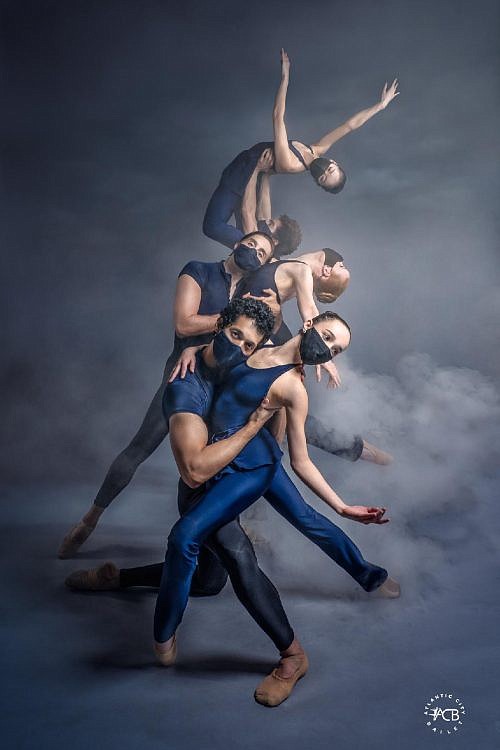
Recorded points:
226,200
255,471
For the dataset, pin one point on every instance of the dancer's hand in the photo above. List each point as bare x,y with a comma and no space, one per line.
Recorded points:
263,412
269,298
187,361
266,161
364,514
333,374
389,93
285,64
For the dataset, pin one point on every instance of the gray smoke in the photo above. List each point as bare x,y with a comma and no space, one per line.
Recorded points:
442,427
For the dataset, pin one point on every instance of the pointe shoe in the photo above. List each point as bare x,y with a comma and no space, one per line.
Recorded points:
390,589
104,578
74,539
274,689
375,455
167,658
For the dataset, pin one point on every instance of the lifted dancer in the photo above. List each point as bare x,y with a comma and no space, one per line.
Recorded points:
287,157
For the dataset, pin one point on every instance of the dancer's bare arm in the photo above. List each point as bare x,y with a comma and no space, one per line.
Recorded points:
197,462
264,210
294,396
302,281
284,161
187,301
249,207
356,121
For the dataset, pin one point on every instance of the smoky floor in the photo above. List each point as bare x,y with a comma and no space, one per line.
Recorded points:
79,671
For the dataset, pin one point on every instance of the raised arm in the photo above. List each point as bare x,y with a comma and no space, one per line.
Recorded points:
198,462
264,210
283,161
357,120
296,411
186,305
249,207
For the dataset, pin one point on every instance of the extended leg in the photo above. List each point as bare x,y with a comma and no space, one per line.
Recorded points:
287,500
223,502
350,447
151,433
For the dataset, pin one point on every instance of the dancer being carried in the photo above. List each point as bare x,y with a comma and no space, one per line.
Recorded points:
281,156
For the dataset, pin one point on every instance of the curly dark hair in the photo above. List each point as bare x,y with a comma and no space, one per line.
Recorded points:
287,237
254,309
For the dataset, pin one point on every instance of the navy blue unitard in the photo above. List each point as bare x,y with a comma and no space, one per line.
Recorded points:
226,200
254,472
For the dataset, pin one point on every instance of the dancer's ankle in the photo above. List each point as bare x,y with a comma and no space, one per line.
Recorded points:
92,516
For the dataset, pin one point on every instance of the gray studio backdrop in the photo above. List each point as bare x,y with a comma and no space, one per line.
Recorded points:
120,118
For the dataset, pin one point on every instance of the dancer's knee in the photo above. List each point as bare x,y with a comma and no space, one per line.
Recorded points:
183,539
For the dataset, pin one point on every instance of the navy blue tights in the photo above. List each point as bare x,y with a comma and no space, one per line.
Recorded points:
225,499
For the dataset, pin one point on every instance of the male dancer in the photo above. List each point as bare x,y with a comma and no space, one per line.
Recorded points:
186,403
288,157
257,470
202,290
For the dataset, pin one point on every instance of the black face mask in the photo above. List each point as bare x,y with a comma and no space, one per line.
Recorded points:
332,257
313,350
226,353
246,258
318,166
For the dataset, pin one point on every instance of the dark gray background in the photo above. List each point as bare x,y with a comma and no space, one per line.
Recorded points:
119,118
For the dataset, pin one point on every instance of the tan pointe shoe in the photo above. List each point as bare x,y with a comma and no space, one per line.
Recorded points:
167,658
274,689
390,589
375,455
104,578
74,539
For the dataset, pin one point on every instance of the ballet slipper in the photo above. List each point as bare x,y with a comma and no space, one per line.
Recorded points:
167,658
103,578
390,589
274,689
74,539
374,455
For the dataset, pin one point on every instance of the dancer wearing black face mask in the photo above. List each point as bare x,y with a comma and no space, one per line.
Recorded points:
235,194
203,290
255,470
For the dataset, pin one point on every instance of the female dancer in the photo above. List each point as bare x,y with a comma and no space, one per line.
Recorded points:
289,157
257,471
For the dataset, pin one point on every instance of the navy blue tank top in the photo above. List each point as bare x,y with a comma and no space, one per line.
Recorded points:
263,278
236,175
235,399
192,394
215,285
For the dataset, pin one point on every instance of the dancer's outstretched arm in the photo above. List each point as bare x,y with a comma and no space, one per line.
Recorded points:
283,158
296,404
356,121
